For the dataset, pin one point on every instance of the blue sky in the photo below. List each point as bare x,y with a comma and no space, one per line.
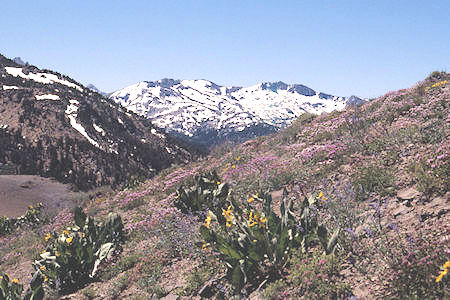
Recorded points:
340,47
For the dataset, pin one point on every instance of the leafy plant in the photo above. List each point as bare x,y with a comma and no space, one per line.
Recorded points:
372,179
10,290
72,259
316,276
207,192
255,243
431,179
32,216
35,291
414,265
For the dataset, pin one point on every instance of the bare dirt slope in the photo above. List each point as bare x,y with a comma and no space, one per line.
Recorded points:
17,192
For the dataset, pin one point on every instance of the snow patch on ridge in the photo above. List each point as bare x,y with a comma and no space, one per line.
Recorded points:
45,78
71,112
10,87
47,97
99,129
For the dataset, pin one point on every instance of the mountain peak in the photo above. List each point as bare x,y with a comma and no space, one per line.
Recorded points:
19,61
201,111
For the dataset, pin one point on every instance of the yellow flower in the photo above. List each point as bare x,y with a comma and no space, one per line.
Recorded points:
47,236
42,268
218,182
208,221
254,219
69,240
205,246
254,241
321,196
1,277
43,251
250,219
228,214
238,158
56,253
447,264
441,275
66,232
250,200
233,167
45,278
31,206
228,224
15,280
176,196
83,235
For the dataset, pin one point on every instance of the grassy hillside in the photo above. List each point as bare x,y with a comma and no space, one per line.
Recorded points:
378,175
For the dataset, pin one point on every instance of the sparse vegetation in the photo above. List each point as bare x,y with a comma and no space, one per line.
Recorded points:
354,204
32,217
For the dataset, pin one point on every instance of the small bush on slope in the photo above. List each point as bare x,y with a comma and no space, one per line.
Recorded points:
71,259
31,217
254,243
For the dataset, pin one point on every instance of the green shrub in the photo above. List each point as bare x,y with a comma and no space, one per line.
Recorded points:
431,180
274,289
255,244
415,267
31,217
72,259
372,179
316,276
10,290
290,133
13,290
207,192
125,263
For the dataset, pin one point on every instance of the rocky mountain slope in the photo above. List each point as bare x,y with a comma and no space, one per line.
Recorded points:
51,125
205,113
378,173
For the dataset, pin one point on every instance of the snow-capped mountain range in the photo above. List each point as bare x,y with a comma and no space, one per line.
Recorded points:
205,113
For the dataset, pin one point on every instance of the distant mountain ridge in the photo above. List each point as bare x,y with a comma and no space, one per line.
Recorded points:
205,113
51,125
95,89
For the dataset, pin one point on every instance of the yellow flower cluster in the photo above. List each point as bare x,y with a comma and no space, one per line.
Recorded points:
436,84
15,280
252,198
208,220
47,236
446,266
321,196
254,219
228,214
232,166
69,240
205,246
